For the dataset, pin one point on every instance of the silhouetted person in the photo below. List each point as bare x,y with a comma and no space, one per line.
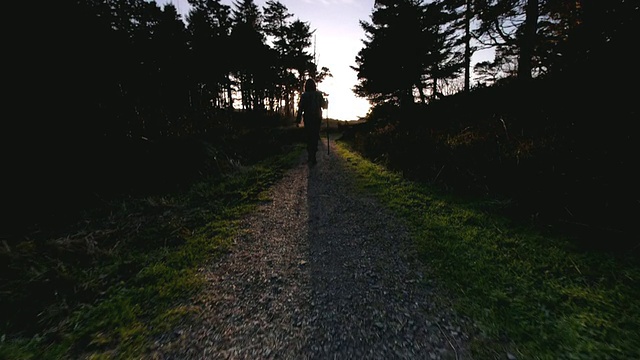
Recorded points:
310,108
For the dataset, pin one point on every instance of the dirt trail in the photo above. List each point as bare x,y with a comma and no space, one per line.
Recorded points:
319,272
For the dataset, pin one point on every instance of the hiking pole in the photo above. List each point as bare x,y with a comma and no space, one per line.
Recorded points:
327,116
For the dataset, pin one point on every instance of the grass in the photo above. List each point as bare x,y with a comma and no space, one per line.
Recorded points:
533,295
144,256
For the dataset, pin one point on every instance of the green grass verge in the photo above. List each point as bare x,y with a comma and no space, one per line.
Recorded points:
147,266
532,295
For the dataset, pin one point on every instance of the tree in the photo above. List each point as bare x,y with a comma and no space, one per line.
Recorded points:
249,52
209,27
462,14
275,25
387,67
173,56
297,60
422,47
297,56
291,41
443,60
510,26
585,35
276,19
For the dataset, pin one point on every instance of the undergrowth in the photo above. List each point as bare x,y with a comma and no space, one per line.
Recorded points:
107,287
532,295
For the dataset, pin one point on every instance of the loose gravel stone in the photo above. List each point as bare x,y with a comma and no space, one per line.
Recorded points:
318,272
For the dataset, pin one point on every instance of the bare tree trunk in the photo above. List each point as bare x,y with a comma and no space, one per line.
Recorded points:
467,47
423,98
527,43
434,89
229,91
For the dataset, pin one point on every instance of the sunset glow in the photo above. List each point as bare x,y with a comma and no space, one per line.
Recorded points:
338,38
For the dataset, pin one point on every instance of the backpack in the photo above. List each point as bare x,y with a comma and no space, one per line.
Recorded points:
315,102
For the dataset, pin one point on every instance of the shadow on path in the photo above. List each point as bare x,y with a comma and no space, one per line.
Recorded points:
367,301
317,272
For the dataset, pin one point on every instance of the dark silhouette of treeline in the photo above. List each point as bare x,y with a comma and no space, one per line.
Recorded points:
118,98
548,125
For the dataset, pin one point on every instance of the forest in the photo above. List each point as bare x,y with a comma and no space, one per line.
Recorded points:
117,80
119,100
547,124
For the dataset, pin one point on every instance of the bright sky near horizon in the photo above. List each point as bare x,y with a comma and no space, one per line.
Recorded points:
338,39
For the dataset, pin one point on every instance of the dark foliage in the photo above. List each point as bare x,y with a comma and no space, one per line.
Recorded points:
52,184
62,195
569,162
560,145
125,98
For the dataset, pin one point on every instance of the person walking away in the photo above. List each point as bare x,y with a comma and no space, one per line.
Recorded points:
310,109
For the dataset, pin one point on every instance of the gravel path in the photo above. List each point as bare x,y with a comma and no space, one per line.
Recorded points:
319,272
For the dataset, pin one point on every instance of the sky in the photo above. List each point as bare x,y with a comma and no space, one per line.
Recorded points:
338,38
